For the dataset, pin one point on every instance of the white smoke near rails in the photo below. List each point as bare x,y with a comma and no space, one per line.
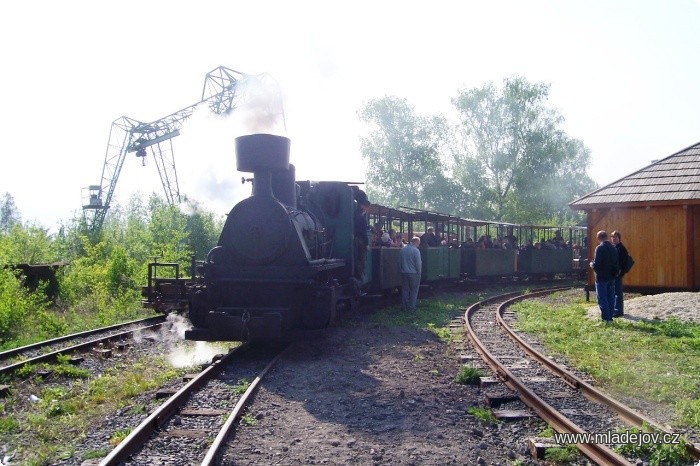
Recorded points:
181,353
178,326
202,353
7,457
172,331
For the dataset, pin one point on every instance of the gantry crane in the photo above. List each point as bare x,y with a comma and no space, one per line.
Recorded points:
132,136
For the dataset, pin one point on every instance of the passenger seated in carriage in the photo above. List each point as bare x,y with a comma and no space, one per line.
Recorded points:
396,240
428,239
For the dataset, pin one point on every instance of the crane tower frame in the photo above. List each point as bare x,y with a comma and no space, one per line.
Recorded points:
128,135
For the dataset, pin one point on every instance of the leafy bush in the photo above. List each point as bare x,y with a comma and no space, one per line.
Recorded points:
16,303
102,282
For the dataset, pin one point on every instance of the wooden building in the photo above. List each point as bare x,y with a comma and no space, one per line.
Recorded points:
657,212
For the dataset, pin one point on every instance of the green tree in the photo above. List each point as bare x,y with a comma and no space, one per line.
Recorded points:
9,213
402,154
514,162
16,303
203,229
168,232
29,244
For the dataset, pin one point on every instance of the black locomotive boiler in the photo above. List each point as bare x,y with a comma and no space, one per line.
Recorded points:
284,260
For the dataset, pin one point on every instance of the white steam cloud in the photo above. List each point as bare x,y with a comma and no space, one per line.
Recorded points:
206,164
181,353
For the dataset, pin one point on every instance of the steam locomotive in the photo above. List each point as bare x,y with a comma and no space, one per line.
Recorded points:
282,263
286,259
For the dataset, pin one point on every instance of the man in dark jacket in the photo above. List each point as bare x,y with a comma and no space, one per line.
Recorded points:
428,239
606,266
622,256
360,233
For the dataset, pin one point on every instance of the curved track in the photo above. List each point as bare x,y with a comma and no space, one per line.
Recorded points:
549,397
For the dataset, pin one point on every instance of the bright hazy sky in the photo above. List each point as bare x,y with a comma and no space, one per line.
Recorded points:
624,74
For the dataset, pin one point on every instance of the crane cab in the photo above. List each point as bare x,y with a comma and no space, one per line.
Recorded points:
92,197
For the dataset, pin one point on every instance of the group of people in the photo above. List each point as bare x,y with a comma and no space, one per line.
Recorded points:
387,239
410,261
511,242
608,264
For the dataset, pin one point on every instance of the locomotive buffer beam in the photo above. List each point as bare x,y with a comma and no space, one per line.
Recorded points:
267,322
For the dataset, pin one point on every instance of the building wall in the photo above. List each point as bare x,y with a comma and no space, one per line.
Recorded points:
657,238
694,240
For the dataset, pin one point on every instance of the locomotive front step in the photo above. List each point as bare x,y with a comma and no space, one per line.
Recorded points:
240,324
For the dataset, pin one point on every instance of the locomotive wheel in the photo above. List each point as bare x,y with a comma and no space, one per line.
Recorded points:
323,310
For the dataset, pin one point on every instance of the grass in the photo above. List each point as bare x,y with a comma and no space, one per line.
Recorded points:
469,375
659,361
433,315
561,455
248,420
67,411
55,321
241,387
659,454
485,414
119,436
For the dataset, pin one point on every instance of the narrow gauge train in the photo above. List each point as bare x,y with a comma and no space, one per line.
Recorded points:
285,259
460,258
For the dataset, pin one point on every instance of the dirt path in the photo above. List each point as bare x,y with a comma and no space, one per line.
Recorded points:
374,395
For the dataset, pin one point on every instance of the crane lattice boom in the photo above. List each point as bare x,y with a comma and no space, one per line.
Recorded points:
128,136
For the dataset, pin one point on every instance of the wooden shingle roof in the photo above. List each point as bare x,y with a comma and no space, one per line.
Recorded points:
675,179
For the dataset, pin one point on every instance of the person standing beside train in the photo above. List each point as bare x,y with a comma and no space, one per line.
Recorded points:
606,266
360,224
622,257
411,267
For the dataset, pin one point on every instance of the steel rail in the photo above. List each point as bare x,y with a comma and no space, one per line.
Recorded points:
15,351
71,349
601,454
143,431
235,414
629,415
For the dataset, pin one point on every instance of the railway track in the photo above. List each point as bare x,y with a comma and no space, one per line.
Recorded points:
202,413
48,350
567,402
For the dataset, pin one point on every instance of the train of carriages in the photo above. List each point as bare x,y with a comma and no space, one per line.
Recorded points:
287,258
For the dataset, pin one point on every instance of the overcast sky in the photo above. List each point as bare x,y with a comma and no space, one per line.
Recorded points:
625,75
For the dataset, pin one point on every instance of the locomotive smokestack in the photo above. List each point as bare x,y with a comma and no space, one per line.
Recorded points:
262,154
284,186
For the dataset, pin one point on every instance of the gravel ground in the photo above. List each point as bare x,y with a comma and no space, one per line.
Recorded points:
683,306
374,395
367,394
